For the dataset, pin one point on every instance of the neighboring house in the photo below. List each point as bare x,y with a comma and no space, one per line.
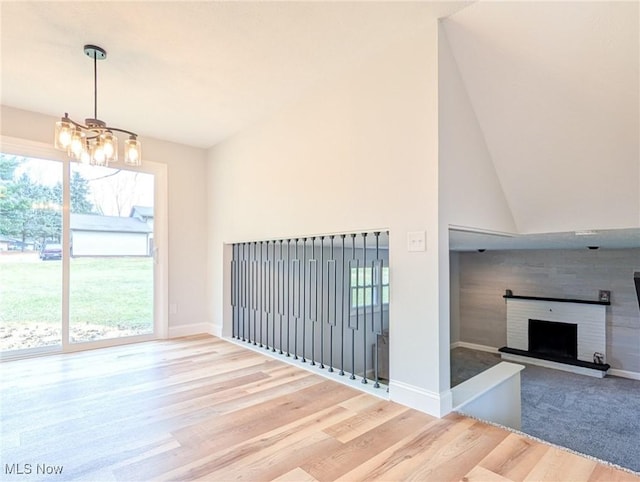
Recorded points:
143,213
96,235
5,243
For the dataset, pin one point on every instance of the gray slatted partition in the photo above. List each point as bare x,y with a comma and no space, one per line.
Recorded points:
322,300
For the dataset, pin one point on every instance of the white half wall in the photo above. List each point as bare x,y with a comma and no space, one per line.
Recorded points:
359,154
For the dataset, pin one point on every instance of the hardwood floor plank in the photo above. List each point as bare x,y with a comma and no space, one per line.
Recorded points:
514,457
454,459
236,457
366,420
201,408
480,474
406,456
296,475
358,450
611,474
556,461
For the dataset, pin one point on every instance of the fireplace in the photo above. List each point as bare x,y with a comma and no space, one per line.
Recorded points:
553,338
574,341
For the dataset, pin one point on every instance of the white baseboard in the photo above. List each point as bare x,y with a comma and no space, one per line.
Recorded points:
474,346
624,373
192,329
436,404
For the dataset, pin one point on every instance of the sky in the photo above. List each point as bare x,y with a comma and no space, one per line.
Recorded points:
113,191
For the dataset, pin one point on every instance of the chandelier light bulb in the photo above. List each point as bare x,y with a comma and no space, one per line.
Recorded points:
132,151
64,131
85,156
98,156
110,146
77,144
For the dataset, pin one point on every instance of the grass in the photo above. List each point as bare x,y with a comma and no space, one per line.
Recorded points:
114,292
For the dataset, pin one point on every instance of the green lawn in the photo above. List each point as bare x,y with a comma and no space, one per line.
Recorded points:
104,291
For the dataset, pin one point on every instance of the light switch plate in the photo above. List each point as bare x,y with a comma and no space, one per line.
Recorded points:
416,241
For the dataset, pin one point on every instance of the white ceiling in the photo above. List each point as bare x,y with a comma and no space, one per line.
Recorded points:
554,85
190,72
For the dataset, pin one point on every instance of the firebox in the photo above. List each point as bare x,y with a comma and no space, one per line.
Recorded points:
553,338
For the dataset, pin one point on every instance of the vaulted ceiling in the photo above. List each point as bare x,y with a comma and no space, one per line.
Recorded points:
555,90
554,85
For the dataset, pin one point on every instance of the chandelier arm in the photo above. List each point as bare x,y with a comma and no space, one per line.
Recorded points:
108,128
98,130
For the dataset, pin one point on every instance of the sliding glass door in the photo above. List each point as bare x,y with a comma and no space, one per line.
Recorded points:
30,254
111,247
81,277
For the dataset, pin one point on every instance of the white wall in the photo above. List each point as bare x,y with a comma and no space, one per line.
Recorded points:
470,191
187,210
361,153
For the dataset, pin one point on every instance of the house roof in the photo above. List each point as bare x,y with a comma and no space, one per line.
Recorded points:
116,224
144,211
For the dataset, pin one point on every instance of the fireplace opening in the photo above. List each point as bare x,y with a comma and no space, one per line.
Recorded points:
553,338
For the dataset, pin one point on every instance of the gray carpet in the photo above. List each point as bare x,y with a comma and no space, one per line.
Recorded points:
593,416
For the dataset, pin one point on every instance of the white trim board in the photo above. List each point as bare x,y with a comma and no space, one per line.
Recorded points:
191,329
616,372
436,404
474,346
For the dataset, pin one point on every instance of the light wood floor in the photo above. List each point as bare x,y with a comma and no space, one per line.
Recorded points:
202,408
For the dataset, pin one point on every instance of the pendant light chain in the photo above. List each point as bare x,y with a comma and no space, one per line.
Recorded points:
95,85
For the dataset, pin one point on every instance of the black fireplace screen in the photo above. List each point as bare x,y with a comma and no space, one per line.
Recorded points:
553,338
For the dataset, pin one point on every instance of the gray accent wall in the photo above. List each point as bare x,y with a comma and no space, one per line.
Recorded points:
484,277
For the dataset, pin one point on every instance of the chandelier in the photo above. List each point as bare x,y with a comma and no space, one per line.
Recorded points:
94,142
